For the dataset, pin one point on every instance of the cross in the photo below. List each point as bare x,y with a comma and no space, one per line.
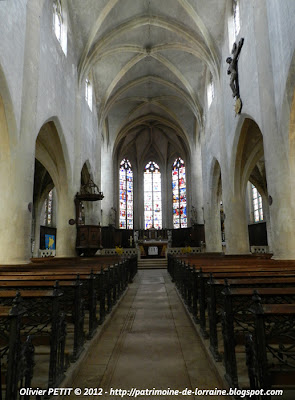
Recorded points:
130,241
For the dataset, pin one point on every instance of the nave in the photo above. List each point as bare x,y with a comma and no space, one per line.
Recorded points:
149,342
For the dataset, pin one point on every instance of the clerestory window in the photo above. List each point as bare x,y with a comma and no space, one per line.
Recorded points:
210,91
59,24
88,93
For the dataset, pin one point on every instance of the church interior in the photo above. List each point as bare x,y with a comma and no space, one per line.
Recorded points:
147,166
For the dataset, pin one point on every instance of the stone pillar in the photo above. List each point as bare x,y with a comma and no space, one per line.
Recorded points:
107,183
139,207
65,233
195,188
236,225
17,170
266,216
16,177
169,202
213,228
166,205
37,208
282,209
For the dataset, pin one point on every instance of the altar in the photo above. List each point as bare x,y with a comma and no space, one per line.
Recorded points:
153,248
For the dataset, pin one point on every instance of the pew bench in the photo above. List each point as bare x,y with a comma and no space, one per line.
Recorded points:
242,288
238,318
35,319
269,348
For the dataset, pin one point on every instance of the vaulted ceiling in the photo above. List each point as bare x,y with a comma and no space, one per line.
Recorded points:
149,60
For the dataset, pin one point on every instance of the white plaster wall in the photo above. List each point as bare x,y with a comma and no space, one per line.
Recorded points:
281,17
12,45
43,84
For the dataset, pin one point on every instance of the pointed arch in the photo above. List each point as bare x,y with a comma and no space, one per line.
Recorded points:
51,152
215,182
154,79
247,151
145,120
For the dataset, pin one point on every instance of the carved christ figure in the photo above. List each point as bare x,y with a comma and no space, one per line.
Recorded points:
233,67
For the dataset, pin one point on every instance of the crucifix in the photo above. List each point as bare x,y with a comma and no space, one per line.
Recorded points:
233,72
130,240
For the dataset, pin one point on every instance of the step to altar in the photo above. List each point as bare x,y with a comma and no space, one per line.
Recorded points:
152,263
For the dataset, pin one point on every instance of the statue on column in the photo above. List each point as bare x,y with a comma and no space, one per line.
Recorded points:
233,72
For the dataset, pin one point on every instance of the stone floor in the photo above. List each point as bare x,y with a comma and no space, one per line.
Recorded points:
148,343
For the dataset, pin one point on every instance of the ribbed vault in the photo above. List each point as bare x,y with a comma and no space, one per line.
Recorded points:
149,58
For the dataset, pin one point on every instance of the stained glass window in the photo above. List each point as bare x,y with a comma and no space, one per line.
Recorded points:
257,205
48,210
152,196
179,194
126,195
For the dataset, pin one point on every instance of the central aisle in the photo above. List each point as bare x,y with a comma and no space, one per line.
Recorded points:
149,343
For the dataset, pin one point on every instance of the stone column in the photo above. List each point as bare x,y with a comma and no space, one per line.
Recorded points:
65,233
282,209
166,206
107,183
16,177
195,188
17,169
236,225
213,228
37,208
139,207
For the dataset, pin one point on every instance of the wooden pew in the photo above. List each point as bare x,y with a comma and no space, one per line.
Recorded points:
48,323
268,276
239,287
16,353
270,352
191,283
238,318
108,284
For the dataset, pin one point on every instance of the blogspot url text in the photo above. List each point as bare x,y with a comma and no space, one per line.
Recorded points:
134,392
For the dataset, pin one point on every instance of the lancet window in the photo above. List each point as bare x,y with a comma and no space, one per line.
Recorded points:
257,205
126,195
48,209
152,196
179,194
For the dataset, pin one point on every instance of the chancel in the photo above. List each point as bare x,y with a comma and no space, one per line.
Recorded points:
147,169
